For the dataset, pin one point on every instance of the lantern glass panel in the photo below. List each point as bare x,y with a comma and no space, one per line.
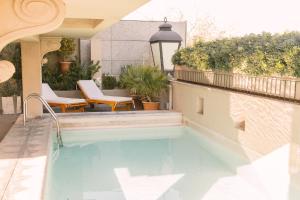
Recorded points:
168,50
156,54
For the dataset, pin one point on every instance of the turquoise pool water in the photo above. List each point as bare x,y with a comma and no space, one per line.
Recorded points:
167,163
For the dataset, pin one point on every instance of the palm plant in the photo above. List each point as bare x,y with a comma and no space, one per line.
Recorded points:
147,82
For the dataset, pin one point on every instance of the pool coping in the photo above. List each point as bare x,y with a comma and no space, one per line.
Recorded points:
122,119
137,112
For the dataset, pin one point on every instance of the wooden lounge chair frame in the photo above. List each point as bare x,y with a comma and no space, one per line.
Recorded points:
112,104
73,107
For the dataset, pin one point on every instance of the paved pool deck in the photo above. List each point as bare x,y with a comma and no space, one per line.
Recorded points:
23,159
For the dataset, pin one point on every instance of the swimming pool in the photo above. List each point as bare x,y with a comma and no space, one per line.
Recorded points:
165,163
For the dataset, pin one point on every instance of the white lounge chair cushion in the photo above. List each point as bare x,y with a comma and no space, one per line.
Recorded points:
63,100
115,98
91,91
51,97
47,92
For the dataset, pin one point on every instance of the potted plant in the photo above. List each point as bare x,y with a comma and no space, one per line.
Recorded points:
125,82
68,81
146,82
67,48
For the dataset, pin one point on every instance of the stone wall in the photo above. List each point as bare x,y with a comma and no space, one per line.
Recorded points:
126,42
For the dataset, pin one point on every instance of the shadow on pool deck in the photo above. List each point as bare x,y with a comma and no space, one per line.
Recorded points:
6,122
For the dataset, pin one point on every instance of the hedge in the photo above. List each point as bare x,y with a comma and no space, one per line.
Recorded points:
255,54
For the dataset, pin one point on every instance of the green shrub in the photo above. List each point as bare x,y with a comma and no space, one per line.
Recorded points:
109,82
68,80
257,54
147,82
9,88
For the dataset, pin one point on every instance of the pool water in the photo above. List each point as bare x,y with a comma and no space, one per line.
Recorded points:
166,163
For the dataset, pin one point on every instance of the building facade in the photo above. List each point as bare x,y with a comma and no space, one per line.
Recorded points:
125,43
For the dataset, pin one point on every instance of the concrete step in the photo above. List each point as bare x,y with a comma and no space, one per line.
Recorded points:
120,119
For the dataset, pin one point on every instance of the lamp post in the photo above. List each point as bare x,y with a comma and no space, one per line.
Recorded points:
164,44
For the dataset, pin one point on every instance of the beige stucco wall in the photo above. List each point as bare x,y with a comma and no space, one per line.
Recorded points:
86,18
269,123
32,75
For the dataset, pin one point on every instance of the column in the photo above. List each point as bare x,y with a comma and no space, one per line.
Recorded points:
32,75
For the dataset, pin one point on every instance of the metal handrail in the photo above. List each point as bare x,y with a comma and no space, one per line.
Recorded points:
50,110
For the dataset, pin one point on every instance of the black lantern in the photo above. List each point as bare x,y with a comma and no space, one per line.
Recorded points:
164,44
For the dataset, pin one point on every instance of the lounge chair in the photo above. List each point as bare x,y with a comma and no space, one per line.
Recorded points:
94,95
65,104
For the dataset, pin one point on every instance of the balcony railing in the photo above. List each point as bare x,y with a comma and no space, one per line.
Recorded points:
277,87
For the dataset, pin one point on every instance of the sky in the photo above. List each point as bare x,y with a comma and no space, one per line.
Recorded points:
234,17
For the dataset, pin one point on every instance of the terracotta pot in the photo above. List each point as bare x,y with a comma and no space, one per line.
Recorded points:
137,102
151,105
65,66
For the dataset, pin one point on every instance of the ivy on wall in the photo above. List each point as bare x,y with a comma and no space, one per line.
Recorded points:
256,54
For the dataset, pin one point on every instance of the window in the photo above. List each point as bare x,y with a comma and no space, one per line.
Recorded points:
200,106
